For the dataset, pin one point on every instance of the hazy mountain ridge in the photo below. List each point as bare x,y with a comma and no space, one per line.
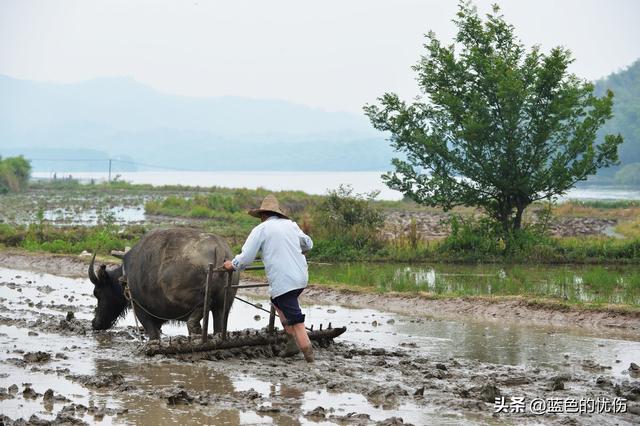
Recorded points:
121,117
625,85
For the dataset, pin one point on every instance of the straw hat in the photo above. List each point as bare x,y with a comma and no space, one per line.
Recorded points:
269,204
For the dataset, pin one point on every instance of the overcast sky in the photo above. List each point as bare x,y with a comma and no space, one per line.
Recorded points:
332,54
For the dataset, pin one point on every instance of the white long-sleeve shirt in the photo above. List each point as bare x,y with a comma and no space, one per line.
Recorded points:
282,243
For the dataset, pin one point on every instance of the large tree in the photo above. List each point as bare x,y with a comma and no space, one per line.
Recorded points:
499,128
14,174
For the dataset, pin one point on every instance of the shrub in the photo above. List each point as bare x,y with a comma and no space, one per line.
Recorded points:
350,220
14,174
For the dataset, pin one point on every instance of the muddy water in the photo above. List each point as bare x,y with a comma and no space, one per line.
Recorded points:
381,354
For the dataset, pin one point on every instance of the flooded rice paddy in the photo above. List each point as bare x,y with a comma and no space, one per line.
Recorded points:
424,370
576,283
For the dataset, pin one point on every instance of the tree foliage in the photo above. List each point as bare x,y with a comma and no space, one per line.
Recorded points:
14,174
499,127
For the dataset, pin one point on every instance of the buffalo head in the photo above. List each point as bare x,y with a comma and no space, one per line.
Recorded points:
107,289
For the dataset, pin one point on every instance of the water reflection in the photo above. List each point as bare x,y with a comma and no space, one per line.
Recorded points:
619,284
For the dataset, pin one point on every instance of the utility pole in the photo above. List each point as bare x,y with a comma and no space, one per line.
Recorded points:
109,170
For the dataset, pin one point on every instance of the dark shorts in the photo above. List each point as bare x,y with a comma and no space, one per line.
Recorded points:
288,304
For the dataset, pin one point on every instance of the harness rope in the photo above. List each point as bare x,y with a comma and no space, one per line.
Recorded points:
129,296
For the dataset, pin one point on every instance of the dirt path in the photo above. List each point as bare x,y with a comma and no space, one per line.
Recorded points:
494,309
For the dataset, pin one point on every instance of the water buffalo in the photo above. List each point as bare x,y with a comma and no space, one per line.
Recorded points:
165,272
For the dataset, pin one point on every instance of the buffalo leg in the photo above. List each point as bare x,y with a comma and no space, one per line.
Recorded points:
151,325
193,323
218,316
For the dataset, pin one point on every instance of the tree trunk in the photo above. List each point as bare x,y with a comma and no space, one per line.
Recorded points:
517,221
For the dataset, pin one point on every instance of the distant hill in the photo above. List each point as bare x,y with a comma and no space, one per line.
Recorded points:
625,85
119,117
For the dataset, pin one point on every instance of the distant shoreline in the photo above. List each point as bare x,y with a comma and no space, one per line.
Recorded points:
311,182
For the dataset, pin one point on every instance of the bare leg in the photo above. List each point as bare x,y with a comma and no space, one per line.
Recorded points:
299,334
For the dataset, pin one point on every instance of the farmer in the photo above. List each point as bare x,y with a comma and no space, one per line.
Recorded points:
282,243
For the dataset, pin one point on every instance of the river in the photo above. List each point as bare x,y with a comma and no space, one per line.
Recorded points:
310,182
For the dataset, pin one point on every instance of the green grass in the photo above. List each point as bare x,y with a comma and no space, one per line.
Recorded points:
594,285
69,240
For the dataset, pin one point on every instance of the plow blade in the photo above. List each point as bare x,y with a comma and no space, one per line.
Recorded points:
236,339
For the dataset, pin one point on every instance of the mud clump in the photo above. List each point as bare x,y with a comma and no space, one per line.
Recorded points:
250,394
4,394
386,396
352,419
179,397
111,380
489,392
50,397
38,356
28,392
317,413
391,421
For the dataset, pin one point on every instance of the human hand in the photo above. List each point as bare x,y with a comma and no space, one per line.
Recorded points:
228,265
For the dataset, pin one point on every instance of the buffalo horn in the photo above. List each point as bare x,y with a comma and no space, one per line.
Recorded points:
92,273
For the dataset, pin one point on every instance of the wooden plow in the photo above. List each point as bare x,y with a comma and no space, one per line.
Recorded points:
235,339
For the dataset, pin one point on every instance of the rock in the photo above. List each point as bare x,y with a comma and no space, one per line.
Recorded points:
419,391
38,356
70,316
441,366
13,388
257,317
391,321
331,311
